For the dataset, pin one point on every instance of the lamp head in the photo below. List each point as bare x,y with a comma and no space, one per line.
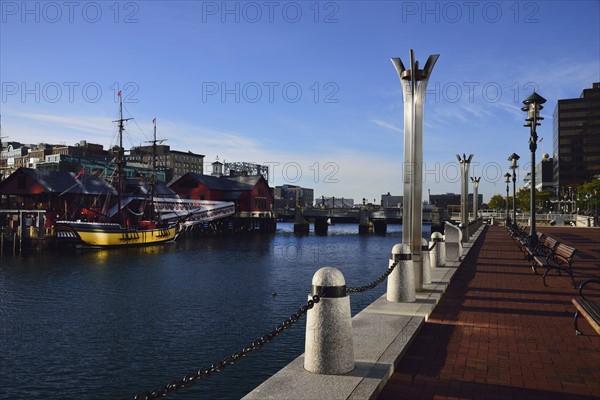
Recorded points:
533,106
513,158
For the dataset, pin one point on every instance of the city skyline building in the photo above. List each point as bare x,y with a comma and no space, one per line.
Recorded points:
576,139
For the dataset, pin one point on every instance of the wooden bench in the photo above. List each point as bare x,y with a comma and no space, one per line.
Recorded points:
518,233
521,237
544,249
560,259
589,309
546,246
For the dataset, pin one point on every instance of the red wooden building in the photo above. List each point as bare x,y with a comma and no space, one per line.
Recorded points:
33,189
250,193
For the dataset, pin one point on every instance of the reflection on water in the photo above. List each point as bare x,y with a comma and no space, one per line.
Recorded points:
94,323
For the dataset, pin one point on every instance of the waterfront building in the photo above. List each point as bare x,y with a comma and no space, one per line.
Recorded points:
544,175
389,201
57,191
172,163
240,167
82,149
98,167
576,139
334,202
11,157
451,201
36,154
445,200
92,158
290,196
51,157
42,189
250,193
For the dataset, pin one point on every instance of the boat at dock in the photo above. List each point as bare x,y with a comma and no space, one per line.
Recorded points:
98,234
144,213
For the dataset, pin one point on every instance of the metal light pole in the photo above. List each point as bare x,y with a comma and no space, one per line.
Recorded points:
588,197
475,182
464,192
513,158
414,84
595,207
507,177
533,106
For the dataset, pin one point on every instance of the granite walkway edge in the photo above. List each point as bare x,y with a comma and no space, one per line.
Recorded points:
381,334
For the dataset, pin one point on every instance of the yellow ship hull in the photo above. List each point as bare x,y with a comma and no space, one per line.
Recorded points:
113,235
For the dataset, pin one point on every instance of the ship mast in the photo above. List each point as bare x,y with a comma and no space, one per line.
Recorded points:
119,156
153,179
1,137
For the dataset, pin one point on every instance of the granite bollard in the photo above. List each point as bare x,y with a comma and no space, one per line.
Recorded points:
426,271
435,254
401,282
329,348
453,242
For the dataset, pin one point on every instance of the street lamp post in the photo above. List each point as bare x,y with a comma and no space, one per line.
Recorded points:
514,157
533,106
588,197
595,207
507,177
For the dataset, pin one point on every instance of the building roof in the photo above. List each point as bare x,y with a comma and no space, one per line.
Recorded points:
225,183
139,187
62,182
232,195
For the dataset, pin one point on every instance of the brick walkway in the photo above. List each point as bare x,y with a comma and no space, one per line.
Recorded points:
498,333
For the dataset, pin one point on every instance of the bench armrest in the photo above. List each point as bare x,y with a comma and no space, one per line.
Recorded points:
584,283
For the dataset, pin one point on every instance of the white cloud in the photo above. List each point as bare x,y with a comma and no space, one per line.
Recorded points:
387,125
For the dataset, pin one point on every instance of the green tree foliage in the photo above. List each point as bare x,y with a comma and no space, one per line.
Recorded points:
588,196
542,200
497,202
523,200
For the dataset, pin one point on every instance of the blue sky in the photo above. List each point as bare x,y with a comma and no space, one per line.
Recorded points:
305,87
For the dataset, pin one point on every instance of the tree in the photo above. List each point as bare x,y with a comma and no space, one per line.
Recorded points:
497,202
588,195
523,197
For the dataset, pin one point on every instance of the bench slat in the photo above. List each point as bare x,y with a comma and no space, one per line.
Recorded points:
559,259
590,310
565,251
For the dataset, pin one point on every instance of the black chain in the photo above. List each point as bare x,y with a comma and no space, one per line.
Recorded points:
205,373
375,282
433,246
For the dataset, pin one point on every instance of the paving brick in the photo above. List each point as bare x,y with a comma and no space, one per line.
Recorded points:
499,333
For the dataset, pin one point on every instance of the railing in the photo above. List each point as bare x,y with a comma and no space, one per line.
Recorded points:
524,216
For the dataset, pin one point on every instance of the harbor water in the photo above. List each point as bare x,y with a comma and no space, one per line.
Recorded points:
108,324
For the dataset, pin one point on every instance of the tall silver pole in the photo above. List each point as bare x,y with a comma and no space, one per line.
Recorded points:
475,182
464,192
414,84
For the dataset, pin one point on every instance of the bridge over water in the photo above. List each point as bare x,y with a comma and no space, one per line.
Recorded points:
367,218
